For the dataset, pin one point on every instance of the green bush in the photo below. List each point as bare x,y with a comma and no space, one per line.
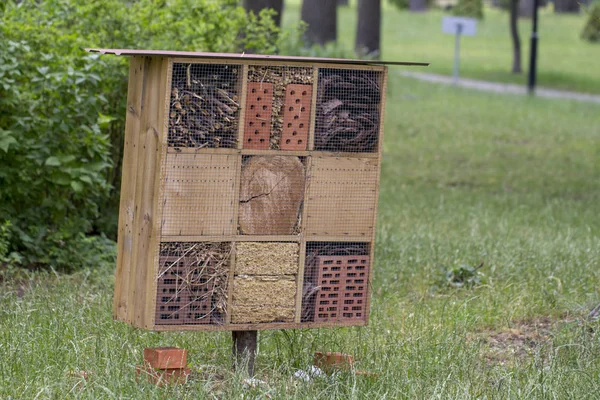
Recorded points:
469,8
591,31
63,110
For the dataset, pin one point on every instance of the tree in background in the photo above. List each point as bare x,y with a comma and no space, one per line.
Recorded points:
566,6
257,5
591,31
412,5
417,5
368,32
514,33
469,8
321,18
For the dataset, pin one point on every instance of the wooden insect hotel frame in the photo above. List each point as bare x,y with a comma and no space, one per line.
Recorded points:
249,191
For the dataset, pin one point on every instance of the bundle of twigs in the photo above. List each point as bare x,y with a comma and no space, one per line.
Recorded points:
311,286
280,77
205,265
347,111
204,106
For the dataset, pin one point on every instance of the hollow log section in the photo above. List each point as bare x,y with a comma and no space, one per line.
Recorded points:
272,190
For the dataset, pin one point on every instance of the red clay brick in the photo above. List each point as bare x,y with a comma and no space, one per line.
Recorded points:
296,117
162,377
165,357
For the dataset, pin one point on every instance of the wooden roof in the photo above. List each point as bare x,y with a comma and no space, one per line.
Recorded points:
191,54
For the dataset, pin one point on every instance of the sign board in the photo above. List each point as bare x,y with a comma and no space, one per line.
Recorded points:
459,25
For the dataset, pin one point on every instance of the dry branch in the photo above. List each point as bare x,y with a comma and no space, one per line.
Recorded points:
205,106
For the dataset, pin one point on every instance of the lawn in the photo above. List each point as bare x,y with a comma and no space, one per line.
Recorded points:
467,177
565,61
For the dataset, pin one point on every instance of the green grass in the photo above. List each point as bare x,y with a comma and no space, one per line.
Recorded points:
565,61
466,177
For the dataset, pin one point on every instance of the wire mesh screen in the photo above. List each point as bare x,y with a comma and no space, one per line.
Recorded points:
237,224
271,195
199,193
335,282
265,282
342,197
278,107
192,283
347,117
204,110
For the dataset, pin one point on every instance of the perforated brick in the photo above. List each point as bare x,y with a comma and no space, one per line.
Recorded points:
184,295
296,117
343,288
259,106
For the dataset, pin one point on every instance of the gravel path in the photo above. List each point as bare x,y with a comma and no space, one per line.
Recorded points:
506,88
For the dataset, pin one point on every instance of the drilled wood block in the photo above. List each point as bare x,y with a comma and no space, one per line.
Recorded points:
342,197
259,106
343,288
296,117
199,193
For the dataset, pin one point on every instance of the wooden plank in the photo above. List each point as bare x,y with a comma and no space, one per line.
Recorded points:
232,238
200,195
255,152
300,280
383,85
128,184
204,150
258,326
272,63
341,197
141,142
230,276
158,194
243,89
152,128
313,109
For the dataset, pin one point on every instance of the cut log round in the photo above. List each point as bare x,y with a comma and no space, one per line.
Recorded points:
272,189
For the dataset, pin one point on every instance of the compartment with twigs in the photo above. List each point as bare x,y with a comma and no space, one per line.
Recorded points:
278,107
336,276
192,283
348,110
205,105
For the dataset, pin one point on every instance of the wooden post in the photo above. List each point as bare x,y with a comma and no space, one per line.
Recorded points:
244,350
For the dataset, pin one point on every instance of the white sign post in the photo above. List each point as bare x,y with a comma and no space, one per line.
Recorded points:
458,26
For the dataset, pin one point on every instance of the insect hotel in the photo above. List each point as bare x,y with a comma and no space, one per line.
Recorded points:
249,191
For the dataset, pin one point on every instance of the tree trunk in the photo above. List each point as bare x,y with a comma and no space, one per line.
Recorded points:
257,5
321,17
514,32
417,5
525,8
368,32
566,6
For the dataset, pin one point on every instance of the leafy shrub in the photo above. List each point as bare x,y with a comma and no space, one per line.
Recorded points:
591,31
405,4
469,8
62,110
460,276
